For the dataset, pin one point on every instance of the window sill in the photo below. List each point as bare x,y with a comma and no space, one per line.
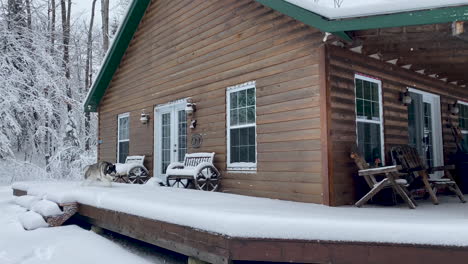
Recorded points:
235,169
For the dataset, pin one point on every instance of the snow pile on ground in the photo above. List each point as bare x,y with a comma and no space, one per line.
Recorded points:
67,244
46,208
358,8
242,216
31,220
27,201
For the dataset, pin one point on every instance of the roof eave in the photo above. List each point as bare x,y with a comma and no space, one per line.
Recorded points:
115,54
342,26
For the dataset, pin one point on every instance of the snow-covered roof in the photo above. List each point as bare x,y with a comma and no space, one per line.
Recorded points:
336,9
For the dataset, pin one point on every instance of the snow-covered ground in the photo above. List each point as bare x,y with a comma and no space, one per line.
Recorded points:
242,216
67,244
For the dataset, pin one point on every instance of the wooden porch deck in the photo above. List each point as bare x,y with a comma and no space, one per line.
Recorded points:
218,248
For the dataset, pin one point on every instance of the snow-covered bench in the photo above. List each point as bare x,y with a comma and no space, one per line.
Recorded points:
198,169
132,171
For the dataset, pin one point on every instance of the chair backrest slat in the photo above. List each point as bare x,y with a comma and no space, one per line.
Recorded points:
363,165
193,159
135,159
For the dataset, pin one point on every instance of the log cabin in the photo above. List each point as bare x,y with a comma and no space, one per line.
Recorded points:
282,91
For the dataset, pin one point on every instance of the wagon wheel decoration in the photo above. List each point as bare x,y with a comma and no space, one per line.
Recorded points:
207,179
138,175
177,182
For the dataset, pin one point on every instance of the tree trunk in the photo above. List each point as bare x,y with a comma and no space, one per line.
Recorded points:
89,69
28,13
105,24
66,43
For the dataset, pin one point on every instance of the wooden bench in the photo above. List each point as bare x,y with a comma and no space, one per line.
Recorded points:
391,180
408,158
132,171
198,169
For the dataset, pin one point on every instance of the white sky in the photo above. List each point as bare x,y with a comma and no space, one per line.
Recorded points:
83,7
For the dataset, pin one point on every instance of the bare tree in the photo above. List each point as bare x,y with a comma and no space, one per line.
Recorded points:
105,24
28,13
89,69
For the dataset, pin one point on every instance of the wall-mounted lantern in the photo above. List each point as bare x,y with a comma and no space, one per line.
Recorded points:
405,98
190,108
454,109
144,118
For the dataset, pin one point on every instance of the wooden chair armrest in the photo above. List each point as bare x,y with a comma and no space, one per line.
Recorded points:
380,170
441,168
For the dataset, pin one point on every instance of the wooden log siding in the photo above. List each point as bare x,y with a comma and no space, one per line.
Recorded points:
343,65
199,48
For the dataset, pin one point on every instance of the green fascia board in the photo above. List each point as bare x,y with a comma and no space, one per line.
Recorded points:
340,26
115,54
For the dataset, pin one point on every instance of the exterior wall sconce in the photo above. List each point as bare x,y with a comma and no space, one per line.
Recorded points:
405,98
144,118
190,109
454,109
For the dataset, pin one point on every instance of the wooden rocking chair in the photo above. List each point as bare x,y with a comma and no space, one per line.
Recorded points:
391,180
410,161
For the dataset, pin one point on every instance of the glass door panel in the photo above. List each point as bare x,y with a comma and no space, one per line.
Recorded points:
165,142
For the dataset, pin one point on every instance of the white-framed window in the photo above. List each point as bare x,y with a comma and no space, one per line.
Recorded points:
463,122
123,137
241,127
369,119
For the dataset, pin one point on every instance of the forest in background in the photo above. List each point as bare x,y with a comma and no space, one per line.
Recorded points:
49,55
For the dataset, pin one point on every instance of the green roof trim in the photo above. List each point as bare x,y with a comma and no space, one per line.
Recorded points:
341,26
117,50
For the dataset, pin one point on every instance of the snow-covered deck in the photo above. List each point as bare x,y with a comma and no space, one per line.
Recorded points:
232,216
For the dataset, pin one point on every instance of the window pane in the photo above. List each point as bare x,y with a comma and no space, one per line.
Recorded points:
251,136
123,151
233,100
235,154
242,98
251,115
375,92
359,93
369,142
242,116
360,107
234,117
235,137
244,154
251,96
367,90
375,111
123,128
252,156
244,136
368,109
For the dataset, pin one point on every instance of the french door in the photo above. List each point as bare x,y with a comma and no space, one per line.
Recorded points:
425,128
170,130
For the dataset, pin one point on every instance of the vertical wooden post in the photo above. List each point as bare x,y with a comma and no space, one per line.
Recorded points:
325,116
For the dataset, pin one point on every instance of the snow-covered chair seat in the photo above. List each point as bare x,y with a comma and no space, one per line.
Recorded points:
132,171
198,169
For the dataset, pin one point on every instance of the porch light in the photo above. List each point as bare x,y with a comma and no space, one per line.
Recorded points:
144,118
190,108
406,98
454,109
